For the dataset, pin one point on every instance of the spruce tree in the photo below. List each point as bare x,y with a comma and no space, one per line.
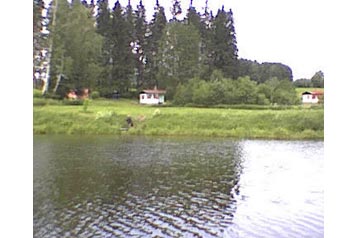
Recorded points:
103,18
207,44
140,44
119,80
104,27
155,33
193,17
129,17
224,41
175,10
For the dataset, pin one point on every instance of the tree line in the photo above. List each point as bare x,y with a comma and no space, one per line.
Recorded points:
317,81
116,49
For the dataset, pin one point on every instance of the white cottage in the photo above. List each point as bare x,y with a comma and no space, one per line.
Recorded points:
152,96
311,97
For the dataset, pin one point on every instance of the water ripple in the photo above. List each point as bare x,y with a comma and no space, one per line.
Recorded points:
176,188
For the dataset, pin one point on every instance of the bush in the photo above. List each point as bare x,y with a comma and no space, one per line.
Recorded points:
95,94
85,104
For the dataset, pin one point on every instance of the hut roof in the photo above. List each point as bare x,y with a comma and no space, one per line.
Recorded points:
154,91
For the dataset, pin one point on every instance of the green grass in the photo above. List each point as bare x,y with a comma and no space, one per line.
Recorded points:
108,117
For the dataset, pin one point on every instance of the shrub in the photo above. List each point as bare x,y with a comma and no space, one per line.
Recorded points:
95,94
85,104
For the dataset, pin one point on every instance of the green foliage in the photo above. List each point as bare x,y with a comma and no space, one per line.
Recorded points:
95,95
303,83
318,79
246,91
85,104
203,93
178,57
279,92
265,71
241,91
76,46
154,35
216,75
223,43
118,50
37,93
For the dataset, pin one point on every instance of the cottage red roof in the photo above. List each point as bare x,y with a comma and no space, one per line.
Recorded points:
317,93
154,91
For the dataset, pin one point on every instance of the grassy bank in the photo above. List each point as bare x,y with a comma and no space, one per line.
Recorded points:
108,117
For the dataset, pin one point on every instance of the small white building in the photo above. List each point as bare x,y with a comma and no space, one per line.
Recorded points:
311,97
152,96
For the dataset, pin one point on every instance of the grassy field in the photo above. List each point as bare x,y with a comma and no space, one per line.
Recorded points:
109,117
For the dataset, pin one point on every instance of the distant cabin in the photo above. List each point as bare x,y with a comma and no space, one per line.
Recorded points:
152,96
311,97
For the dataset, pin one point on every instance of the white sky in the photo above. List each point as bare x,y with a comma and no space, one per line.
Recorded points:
284,31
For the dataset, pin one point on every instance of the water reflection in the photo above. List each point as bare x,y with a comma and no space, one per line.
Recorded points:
133,187
171,187
281,190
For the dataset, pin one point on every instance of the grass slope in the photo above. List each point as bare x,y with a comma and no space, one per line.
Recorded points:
108,117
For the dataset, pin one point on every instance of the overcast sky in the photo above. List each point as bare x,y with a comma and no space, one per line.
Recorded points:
289,32
284,31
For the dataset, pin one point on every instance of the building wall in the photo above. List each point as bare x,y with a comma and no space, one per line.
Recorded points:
309,98
150,99
161,99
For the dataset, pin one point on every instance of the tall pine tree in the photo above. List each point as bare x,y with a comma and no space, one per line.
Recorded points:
129,17
193,17
155,33
140,44
104,28
175,10
122,70
224,43
207,44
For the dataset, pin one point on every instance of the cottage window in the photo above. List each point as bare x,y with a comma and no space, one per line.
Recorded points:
143,97
156,96
313,96
149,96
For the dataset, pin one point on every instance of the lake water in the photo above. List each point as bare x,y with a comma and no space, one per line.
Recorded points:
108,186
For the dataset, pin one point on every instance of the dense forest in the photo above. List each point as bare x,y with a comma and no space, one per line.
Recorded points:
90,45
